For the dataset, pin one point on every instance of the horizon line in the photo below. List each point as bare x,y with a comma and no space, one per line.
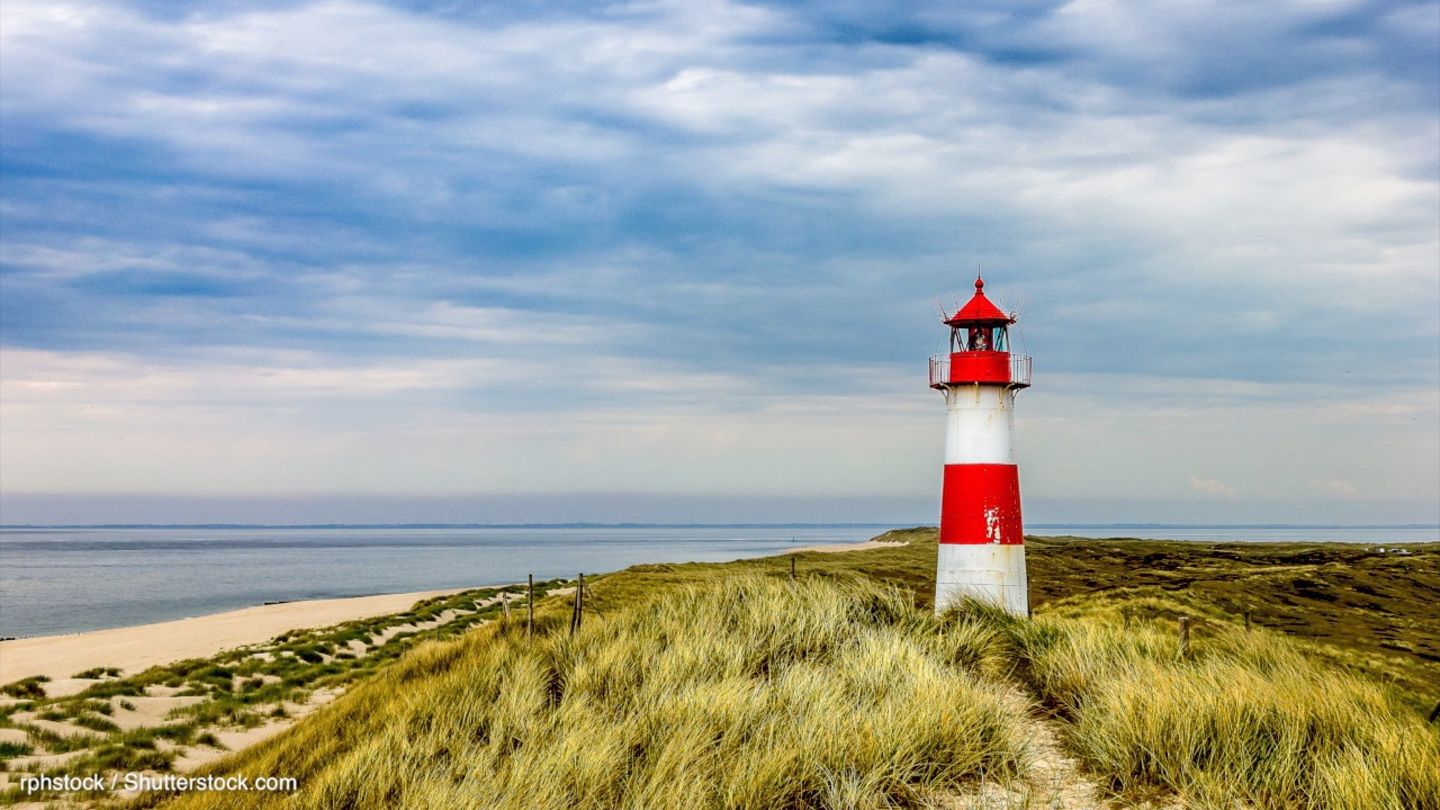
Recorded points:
662,525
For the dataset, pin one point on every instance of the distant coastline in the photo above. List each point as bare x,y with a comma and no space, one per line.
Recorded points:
1028,526
8,526
75,579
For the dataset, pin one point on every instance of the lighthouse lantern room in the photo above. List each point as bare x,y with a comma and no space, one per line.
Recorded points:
982,541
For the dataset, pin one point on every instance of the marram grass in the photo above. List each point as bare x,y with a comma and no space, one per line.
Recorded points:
1244,719
719,690
744,693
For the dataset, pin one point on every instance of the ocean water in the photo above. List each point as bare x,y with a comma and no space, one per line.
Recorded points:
72,580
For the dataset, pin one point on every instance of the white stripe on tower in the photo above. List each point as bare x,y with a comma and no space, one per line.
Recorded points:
982,419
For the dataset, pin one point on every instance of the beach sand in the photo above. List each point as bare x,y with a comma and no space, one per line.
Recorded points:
837,547
133,649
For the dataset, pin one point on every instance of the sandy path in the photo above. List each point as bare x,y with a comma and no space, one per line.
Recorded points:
132,649
1054,780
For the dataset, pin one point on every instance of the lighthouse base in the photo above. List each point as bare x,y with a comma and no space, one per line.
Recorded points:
986,572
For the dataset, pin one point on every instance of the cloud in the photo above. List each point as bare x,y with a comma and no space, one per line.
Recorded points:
670,211
1210,486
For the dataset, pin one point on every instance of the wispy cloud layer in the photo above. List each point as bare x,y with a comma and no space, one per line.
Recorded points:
694,247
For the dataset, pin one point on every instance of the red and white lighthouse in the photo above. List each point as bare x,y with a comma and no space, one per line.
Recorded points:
982,542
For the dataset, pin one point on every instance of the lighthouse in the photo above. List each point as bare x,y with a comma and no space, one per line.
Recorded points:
982,542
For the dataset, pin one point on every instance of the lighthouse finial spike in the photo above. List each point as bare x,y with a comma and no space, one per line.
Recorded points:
979,282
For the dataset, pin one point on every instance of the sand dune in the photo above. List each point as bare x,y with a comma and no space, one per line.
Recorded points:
134,648
838,547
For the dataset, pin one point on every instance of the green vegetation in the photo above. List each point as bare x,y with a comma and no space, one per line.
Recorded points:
26,687
730,685
1239,716
98,672
239,689
1369,608
746,693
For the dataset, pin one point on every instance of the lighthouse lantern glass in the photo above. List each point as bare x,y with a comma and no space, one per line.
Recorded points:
979,339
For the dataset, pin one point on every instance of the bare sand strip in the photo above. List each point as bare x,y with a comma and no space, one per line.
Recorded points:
133,649
837,547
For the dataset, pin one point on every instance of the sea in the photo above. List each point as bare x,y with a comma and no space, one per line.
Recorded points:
70,580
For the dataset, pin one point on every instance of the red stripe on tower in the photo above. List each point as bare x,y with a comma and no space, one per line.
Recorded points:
982,537
981,504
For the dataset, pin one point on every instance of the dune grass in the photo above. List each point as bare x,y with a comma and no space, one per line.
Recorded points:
728,685
745,693
241,688
1247,717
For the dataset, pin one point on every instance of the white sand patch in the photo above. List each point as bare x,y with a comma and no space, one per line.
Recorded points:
65,687
42,761
149,711
63,729
13,735
234,740
443,617
238,682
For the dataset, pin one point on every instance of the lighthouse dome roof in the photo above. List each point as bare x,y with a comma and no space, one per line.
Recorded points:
979,310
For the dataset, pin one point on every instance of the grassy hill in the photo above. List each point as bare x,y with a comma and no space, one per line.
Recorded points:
732,686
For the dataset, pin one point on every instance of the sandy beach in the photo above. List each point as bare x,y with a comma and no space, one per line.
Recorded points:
837,547
135,648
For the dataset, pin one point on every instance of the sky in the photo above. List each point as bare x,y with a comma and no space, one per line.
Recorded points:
682,261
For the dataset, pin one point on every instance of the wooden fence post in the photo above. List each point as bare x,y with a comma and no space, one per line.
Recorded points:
792,567
1126,613
1247,621
579,614
530,617
505,607
1435,713
1184,636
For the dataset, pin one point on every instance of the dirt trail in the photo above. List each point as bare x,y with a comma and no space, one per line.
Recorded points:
1058,779
1055,780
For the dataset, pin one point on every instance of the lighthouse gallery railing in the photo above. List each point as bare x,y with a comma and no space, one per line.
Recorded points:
1019,369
